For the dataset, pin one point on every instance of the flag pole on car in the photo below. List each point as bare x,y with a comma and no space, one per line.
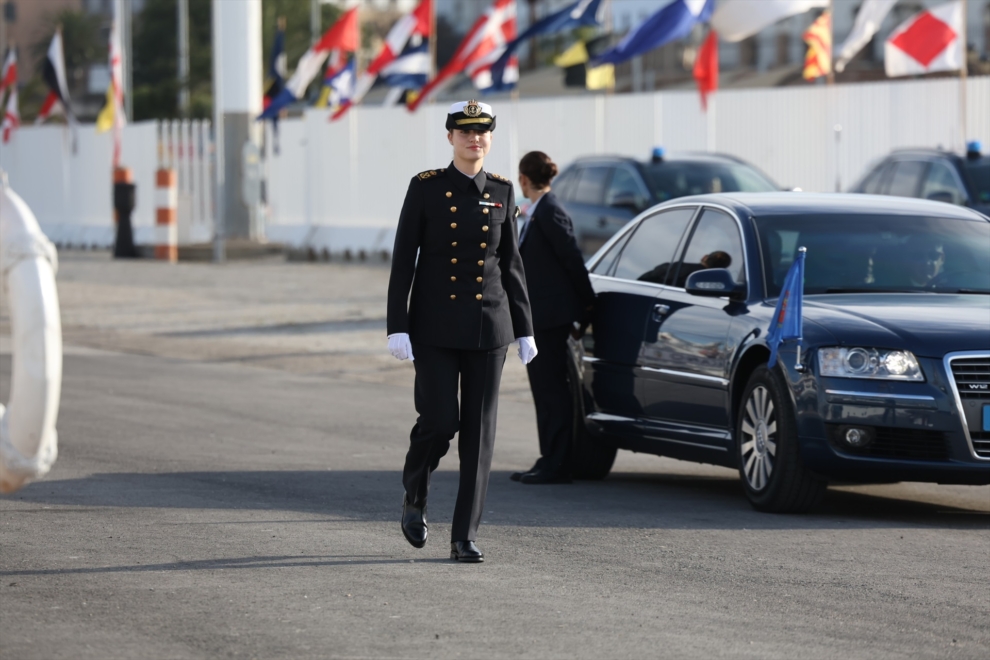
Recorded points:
787,320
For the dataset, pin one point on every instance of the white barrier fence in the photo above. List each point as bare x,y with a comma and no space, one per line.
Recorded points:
338,187
71,191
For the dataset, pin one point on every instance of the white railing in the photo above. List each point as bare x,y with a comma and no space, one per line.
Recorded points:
70,191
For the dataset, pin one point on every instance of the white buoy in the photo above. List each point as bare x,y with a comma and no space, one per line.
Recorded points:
28,262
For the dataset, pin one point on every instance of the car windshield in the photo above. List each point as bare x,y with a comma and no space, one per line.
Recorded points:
978,172
671,179
878,253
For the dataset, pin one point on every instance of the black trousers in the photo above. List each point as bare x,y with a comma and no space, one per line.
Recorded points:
552,395
437,373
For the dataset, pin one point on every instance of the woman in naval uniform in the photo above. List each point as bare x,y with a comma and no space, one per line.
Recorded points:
468,303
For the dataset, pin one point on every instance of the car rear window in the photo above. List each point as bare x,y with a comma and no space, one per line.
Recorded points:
591,186
906,179
881,253
671,179
649,255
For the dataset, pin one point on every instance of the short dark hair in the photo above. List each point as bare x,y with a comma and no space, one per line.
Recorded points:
538,168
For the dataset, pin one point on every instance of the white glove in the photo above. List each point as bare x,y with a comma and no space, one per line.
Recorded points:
527,349
400,347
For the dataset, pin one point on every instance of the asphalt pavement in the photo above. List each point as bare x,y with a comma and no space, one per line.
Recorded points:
228,486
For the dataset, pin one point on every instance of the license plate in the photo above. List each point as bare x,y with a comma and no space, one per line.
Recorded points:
986,418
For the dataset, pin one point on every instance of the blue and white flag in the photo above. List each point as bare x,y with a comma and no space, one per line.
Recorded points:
670,23
411,68
582,12
341,83
788,317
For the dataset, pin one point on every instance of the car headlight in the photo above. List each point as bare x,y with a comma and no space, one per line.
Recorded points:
869,363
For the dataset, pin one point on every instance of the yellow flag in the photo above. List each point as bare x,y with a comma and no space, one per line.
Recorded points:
324,99
601,77
104,122
818,61
576,54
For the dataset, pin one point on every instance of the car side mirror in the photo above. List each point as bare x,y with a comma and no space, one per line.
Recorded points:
625,201
713,283
941,196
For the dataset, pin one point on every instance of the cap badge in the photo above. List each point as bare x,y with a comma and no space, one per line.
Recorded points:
472,109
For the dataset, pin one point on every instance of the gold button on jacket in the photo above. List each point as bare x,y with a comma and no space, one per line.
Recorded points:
428,296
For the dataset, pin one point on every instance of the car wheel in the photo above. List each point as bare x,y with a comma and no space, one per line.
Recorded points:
773,475
591,456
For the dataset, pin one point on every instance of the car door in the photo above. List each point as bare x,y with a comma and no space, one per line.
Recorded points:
622,319
685,366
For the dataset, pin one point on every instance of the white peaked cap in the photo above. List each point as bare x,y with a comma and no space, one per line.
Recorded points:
459,107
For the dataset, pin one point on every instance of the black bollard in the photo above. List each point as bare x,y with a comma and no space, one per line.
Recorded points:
124,200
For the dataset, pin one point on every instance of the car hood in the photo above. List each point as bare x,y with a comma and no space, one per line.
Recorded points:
929,325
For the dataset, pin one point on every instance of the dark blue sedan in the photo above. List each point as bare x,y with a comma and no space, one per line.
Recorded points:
891,382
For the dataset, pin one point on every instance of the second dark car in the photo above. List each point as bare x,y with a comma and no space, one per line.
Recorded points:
603,193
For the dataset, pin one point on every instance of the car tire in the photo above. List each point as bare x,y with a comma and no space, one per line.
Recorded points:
768,451
591,456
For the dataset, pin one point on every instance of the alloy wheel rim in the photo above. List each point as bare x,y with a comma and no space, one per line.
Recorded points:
759,438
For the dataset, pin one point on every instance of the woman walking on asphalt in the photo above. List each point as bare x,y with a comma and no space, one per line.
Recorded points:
468,303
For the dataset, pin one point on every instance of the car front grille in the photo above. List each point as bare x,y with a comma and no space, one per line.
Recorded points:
899,443
972,378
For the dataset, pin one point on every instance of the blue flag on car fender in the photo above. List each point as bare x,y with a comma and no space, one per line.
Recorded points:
787,320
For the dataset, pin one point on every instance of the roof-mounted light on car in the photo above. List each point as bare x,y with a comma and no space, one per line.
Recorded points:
658,154
974,149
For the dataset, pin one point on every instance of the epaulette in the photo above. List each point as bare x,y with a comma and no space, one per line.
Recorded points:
498,177
428,173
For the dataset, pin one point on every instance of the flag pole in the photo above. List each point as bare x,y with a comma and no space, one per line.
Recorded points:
962,79
433,43
831,42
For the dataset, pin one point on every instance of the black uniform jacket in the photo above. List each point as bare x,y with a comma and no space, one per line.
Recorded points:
559,287
468,285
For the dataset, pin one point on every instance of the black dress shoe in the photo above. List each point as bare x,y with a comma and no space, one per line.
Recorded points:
466,551
517,476
545,477
414,523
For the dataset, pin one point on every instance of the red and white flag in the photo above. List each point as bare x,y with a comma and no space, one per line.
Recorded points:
11,117
928,41
8,74
53,72
112,115
481,48
415,23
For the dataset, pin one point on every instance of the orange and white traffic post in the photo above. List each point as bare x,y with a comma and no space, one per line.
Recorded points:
166,215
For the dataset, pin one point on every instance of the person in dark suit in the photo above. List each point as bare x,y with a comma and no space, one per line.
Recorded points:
468,303
561,294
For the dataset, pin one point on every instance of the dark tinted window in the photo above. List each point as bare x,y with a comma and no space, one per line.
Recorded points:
563,185
671,179
648,255
873,252
906,178
715,243
591,185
